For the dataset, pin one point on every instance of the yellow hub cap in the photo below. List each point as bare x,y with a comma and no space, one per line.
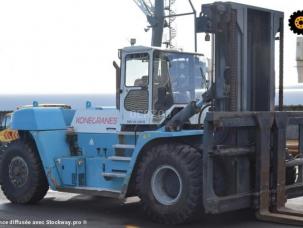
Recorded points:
299,22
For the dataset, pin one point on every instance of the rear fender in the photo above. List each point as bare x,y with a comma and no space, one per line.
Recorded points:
50,145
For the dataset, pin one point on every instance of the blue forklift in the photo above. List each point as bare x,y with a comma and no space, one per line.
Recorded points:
184,143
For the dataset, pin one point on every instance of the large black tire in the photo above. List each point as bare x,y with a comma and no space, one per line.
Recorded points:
160,174
23,180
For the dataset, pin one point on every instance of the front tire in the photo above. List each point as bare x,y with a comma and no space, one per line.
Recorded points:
23,180
169,183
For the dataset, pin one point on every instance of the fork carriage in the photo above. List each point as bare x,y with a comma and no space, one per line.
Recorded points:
258,145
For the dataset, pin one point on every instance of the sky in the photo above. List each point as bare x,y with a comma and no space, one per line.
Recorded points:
68,46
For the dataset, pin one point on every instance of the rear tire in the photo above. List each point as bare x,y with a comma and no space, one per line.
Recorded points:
169,183
23,180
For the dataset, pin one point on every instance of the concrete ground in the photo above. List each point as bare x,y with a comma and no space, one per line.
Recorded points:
87,211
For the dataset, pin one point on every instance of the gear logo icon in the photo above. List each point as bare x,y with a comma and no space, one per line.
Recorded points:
296,22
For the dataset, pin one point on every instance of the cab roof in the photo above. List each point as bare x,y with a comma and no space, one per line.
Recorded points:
141,48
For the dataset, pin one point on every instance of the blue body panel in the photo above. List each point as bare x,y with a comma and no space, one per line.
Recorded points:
64,170
42,119
51,146
53,149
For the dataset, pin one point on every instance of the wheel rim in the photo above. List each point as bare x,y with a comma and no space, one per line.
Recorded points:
18,172
166,184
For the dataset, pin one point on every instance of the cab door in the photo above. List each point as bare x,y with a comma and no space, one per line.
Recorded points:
135,85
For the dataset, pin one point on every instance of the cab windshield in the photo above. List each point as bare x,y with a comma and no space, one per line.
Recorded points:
178,78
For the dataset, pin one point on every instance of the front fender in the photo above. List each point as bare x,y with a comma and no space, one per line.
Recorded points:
147,138
36,119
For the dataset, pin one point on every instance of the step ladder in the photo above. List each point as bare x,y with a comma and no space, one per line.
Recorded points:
271,168
120,161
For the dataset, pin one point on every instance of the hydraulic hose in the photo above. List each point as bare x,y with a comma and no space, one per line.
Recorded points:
176,123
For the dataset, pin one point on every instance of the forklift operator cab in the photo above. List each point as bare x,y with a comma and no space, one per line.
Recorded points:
154,82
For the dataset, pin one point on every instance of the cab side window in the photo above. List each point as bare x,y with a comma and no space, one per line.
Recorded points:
137,70
136,79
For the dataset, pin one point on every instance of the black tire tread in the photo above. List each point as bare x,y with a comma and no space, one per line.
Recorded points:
192,161
40,185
